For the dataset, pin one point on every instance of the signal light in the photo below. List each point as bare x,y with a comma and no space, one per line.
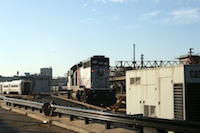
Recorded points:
92,71
107,71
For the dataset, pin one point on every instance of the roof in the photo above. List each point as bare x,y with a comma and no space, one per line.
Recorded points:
14,81
187,56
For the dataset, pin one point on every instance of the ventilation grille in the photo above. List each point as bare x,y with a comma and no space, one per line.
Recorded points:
178,101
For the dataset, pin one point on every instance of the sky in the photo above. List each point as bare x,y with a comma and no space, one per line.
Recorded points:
38,34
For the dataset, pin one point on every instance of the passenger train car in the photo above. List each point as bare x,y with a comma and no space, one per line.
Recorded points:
22,87
88,81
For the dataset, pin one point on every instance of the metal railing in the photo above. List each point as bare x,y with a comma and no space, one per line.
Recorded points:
138,121
2,97
149,64
25,103
121,67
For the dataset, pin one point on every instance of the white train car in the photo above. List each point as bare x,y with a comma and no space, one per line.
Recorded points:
166,92
15,87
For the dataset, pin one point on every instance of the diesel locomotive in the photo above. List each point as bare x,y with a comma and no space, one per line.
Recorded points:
88,81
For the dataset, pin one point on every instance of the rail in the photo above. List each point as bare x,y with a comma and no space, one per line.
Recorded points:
2,97
121,67
138,121
24,103
149,64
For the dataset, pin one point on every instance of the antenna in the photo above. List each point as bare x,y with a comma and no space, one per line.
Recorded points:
133,52
190,53
134,56
142,59
190,56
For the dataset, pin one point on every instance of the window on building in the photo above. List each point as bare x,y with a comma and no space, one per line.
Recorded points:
146,110
149,111
152,111
135,81
132,80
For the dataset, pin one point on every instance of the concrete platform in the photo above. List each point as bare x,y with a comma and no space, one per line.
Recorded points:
64,122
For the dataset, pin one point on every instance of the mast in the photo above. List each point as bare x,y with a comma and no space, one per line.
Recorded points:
134,56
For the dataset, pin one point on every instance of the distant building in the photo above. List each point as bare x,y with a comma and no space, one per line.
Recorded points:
46,71
191,59
41,83
3,79
58,84
60,81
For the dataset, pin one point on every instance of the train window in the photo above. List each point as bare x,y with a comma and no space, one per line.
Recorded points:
14,85
87,64
100,63
94,62
80,64
70,72
5,86
106,63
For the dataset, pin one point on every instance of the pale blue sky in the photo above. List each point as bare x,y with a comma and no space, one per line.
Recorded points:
59,33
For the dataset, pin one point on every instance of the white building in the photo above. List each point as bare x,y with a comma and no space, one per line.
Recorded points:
166,92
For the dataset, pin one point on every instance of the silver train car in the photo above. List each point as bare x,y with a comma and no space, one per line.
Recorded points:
22,87
88,81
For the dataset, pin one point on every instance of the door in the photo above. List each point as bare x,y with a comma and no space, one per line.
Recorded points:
166,102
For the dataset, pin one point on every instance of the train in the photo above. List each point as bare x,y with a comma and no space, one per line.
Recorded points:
88,81
22,87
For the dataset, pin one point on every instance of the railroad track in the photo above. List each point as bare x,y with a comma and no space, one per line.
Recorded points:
90,106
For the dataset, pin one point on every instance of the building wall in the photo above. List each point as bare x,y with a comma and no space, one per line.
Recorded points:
46,71
41,84
152,92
